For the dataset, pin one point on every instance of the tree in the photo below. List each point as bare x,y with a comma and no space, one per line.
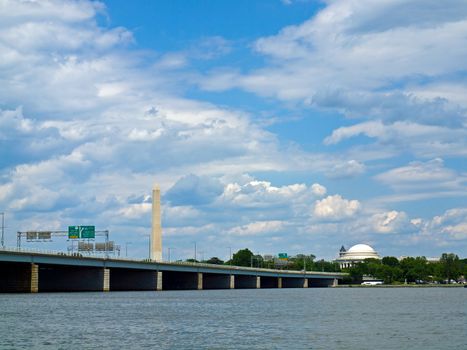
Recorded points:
450,266
242,257
390,261
215,260
257,261
415,268
297,262
327,266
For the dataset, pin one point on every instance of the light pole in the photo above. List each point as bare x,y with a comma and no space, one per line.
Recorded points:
168,252
194,242
230,255
126,248
3,230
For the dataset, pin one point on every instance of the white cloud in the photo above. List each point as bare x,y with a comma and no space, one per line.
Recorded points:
391,222
262,194
88,123
257,228
451,225
383,62
335,208
136,211
318,190
423,175
421,140
345,169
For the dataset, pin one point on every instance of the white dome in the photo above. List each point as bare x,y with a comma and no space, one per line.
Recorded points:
356,254
361,248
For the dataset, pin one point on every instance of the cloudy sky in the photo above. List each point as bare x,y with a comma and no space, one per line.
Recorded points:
281,126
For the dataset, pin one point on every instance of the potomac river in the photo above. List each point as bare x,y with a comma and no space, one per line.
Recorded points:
329,318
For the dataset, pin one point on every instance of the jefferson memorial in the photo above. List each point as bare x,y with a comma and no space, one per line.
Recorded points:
355,254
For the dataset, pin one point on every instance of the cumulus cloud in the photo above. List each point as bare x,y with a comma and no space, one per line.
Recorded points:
422,175
346,169
257,228
421,140
391,222
335,208
262,193
88,123
372,62
318,190
194,190
452,224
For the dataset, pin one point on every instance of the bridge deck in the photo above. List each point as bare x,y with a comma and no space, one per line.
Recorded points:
58,258
32,271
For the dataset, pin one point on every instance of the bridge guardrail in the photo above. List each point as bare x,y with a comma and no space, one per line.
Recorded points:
181,263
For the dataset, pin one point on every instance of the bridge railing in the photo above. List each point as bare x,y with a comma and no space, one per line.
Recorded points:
181,263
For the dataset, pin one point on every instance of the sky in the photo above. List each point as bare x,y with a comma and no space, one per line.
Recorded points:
280,126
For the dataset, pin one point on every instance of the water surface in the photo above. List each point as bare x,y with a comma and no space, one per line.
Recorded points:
331,318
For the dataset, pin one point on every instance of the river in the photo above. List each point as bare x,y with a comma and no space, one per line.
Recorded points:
330,318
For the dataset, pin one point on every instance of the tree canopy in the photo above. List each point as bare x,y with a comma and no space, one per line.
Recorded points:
215,260
410,269
242,258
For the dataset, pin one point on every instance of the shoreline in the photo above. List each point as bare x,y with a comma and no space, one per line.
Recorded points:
402,286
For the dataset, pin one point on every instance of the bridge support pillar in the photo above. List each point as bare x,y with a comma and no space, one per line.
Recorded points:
19,277
158,280
106,280
232,282
258,282
279,282
305,283
200,281
335,282
34,278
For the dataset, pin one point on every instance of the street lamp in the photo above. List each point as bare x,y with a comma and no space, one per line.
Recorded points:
194,242
230,255
3,230
126,248
168,252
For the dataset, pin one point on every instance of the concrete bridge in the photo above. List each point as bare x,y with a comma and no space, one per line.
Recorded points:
24,271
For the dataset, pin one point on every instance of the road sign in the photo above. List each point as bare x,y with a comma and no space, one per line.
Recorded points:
73,232
87,231
31,235
44,235
283,256
76,232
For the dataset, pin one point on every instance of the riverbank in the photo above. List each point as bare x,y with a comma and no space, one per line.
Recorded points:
401,286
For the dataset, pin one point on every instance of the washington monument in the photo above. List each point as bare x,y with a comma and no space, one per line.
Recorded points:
156,232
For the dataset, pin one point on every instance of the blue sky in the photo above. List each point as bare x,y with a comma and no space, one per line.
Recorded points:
281,126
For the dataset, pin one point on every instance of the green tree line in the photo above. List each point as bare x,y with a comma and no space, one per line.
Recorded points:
389,269
410,269
245,257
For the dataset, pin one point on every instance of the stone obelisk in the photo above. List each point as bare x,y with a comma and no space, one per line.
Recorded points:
156,232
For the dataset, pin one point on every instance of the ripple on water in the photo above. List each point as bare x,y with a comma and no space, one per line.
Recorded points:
421,318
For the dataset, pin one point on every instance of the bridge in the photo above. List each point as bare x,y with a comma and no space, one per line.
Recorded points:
28,271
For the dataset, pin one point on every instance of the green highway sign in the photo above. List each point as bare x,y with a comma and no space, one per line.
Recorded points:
283,256
87,231
76,232
73,232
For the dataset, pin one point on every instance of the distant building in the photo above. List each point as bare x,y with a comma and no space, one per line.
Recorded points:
268,257
357,253
430,260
